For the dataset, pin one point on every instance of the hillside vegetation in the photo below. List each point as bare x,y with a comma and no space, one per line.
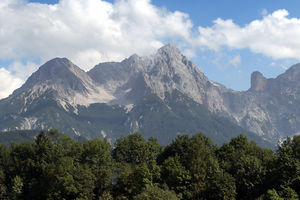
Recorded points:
55,166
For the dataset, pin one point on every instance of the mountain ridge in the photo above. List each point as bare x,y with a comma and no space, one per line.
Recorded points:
61,89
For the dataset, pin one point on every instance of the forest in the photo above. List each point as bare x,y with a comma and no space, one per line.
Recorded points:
55,166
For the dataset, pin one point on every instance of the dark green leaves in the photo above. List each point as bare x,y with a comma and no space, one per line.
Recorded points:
55,166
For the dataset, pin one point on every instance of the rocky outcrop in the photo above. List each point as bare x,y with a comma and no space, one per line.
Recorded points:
258,82
269,107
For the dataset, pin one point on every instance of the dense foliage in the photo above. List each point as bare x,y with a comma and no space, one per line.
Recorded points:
55,166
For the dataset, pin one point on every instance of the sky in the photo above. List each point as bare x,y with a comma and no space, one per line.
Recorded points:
226,39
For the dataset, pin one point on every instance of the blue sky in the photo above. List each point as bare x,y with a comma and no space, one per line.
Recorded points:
228,40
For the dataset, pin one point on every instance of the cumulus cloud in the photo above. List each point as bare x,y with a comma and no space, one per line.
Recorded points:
8,83
14,76
93,31
275,35
87,31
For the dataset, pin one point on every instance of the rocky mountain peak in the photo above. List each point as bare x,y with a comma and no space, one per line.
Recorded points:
267,108
291,74
165,71
58,73
258,81
169,51
55,68
56,65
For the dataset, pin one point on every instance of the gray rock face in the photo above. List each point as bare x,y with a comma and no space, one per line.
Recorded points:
69,84
60,74
269,108
258,81
162,72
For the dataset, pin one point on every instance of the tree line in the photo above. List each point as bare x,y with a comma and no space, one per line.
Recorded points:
55,166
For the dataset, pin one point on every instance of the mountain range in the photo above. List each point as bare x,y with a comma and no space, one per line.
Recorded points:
162,95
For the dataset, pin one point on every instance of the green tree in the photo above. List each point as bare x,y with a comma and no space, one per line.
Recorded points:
221,185
271,195
284,193
123,182
153,192
132,149
62,180
288,163
189,166
3,188
178,148
84,181
17,185
289,194
97,156
154,149
176,177
250,165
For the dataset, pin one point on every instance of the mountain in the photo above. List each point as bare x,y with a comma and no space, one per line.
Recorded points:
8,137
270,107
162,95
165,71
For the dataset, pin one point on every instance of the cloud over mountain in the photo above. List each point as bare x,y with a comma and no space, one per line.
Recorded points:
8,83
92,31
275,35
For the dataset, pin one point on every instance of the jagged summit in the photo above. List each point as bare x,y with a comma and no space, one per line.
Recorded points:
170,50
267,108
165,71
292,73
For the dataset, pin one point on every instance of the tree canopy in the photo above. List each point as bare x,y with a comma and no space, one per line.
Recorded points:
55,166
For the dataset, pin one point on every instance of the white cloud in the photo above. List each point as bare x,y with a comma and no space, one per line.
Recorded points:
224,60
275,35
93,31
235,61
21,70
8,83
87,31
264,12
13,77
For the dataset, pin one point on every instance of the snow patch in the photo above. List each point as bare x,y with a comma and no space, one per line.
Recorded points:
76,132
129,107
64,105
28,123
215,84
103,133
